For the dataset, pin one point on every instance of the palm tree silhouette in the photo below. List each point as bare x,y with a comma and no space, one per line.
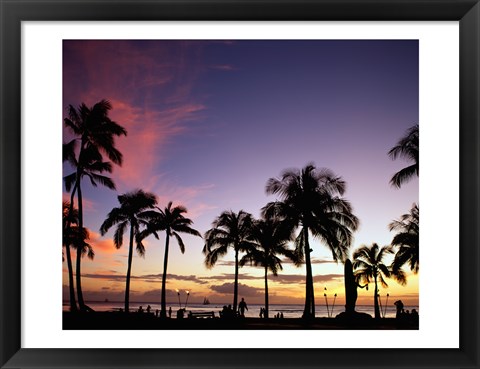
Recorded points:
230,230
407,239
135,210
69,219
76,237
271,239
89,165
311,199
95,131
172,221
406,147
368,264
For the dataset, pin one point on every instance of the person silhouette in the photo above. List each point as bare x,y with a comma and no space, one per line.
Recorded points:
180,313
148,309
241,307
399,305
140,309
170,312
224,312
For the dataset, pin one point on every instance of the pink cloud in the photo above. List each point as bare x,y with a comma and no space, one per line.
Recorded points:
148,137
185,196
150,94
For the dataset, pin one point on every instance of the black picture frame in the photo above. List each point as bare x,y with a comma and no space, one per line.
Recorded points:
12,13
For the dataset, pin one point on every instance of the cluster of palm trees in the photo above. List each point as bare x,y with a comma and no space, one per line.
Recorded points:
94,136
310,204
407,226
369,260
138,211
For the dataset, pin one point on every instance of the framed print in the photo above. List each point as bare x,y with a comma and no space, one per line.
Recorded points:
240,184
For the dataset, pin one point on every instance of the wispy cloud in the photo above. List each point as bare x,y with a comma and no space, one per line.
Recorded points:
224,67
226,276
150,86
281,278
151,278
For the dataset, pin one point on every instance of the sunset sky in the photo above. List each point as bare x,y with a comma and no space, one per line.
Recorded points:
209,122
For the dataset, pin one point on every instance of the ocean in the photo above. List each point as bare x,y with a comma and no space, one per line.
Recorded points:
289,311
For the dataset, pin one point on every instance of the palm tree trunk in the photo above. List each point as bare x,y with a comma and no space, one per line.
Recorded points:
163,312
266,293
81,302
235,286
73,302
129,270
309,310
377,309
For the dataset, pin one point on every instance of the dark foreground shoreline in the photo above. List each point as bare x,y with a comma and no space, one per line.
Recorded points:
135,321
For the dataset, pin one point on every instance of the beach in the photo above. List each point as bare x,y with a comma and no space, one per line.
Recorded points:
109,316
144,321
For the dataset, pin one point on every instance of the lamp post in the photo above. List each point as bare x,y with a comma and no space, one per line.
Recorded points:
179,303
186,302
334,298
386,304
326,302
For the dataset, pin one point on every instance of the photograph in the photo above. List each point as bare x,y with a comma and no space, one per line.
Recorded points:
240,184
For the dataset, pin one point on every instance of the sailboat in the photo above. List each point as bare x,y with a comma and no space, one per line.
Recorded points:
205,301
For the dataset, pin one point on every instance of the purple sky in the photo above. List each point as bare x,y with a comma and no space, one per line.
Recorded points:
210,121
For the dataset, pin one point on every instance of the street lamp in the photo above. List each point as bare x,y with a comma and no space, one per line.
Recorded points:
326,302
186,302
386,304
179,303
334,298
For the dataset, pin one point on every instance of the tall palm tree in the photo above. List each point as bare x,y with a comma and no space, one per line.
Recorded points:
69,219
406,239
135,210
407,148
172,221
95,132
229,230
311,200
89,165
271,239
368,264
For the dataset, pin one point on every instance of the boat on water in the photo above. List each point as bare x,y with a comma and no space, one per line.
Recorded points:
205,301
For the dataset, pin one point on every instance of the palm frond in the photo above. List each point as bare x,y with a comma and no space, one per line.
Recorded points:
69,180
103,180
118,235
180,242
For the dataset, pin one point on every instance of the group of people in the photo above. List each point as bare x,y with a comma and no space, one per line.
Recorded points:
227,311
263,314
405,315
148,309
